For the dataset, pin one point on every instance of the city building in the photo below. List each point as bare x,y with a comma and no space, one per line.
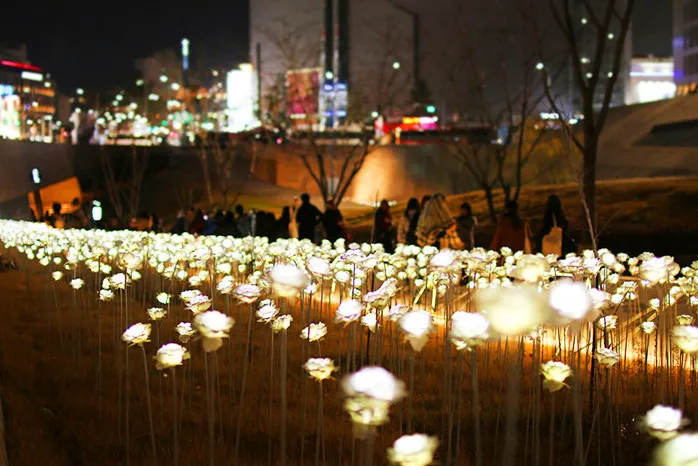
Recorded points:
27,101
685,45
650,79
356,56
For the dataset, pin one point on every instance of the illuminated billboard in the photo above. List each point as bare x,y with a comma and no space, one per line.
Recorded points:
241,99
303,93
10,107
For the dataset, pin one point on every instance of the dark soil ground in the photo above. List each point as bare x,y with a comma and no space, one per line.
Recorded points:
65,386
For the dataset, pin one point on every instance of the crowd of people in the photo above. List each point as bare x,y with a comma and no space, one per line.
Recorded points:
428,222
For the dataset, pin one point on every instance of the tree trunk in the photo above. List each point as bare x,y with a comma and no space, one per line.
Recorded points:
490,203
589,192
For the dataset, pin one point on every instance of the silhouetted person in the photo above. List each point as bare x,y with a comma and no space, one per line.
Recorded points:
465,225
554,216
283,223
243,221
307,218
333,222
180,225
512,231
425,200
198,223
383,227
57,220
407,228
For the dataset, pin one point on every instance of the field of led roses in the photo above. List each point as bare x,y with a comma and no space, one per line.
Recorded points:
161,349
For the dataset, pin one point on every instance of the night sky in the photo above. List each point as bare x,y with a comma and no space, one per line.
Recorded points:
94,45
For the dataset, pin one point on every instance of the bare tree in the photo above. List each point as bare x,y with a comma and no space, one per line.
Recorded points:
320,161
503,94
594,35
124,181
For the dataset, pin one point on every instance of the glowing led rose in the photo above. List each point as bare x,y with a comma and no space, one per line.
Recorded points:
213,327
413,450
377,299
77,283
349,311
314,332
199,303
684,319
570,299
318,267
607,322
170,355
163,298
686,338
468,329
281,323
530,268
444,259
417,326
397,311
320,368
106,295
118,281
156,313
247,293
648,327
213,324
185,331
370,392
655,269
663,422
515,310
370,321
607,357
267,311
554,375
225,285
288,280
682,450
56,275
137,334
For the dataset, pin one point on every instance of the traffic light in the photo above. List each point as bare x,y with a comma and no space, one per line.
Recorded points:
431,109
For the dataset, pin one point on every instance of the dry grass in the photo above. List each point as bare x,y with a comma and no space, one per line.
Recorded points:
57,416
634,215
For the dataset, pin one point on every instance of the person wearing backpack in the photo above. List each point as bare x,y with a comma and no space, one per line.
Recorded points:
554,237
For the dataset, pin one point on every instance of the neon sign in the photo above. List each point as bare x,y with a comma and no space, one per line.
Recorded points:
23,66
6,89
32,76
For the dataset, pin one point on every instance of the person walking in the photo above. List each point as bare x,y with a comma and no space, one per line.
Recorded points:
333,222
554,237
512,231
307,217
436,226
383,227
465,225
407,228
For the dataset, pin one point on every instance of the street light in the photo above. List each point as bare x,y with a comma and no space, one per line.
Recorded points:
163,78
396,65
79,91
139,82
175,86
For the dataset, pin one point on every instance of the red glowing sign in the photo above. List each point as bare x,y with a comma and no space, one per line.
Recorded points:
23,66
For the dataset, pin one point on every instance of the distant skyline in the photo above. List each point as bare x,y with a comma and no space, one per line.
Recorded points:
95,46
85,45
